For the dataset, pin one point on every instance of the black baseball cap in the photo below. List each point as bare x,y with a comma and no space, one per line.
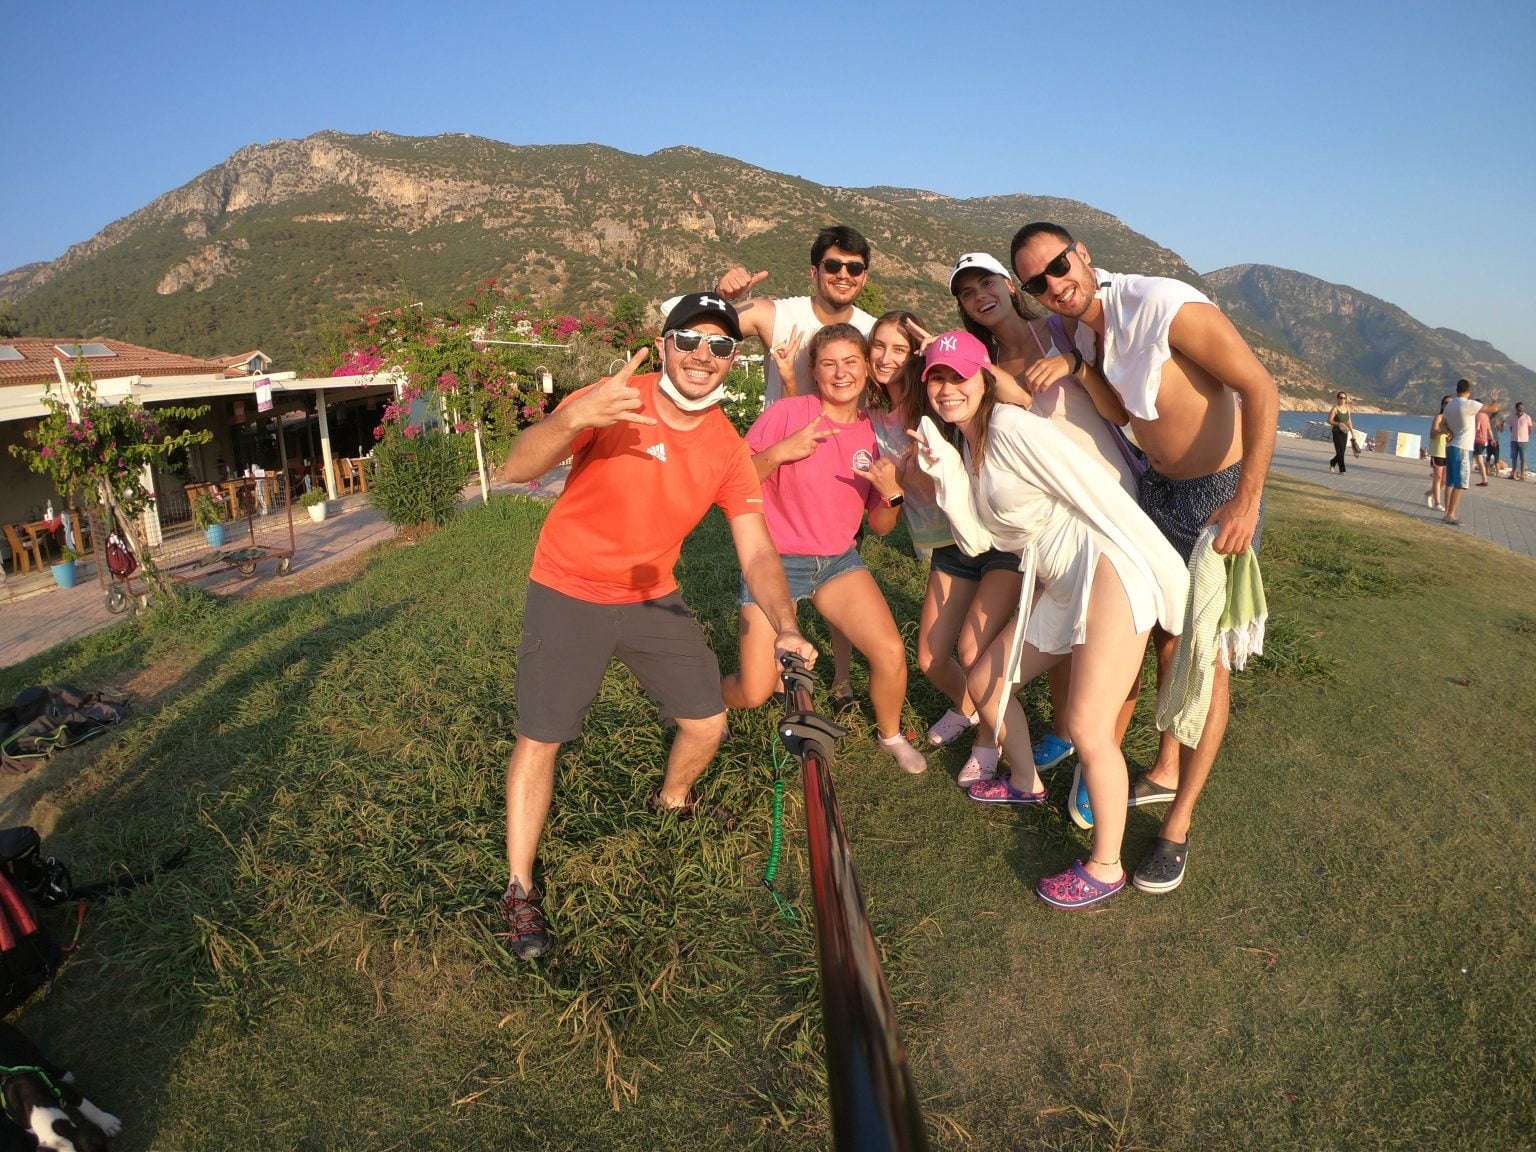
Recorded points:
705,305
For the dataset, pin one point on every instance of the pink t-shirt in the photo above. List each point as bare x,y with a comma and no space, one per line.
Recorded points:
1522,428
814,506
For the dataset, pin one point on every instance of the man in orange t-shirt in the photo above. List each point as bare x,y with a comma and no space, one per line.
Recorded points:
650,454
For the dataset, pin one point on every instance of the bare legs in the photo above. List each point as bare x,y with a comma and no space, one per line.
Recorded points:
1108,660
531,785
1187,769
851,603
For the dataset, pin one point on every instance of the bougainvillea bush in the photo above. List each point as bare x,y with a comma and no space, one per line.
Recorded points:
95,452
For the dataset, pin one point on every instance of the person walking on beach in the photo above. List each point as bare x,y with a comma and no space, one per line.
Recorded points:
1519,437
1342,423
1460,418
1482,436
650,455
1174,367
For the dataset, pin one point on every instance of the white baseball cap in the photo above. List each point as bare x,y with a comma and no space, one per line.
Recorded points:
982,261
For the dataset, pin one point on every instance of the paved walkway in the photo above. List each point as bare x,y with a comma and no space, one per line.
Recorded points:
1504,512
36,623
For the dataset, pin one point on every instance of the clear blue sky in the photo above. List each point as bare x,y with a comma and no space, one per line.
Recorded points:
1387,146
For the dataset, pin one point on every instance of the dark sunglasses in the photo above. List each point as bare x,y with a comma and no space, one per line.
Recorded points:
687,340
1035,285
833,266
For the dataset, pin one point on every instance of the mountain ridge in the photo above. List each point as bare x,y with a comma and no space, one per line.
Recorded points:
264,248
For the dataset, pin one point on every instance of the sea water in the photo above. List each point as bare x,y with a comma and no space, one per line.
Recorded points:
1368,423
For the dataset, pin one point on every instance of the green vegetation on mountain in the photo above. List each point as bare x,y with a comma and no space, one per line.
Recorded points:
1370,347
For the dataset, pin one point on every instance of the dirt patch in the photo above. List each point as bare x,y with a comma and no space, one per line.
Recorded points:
335,572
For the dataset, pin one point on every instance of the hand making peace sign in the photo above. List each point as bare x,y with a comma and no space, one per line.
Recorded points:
610,399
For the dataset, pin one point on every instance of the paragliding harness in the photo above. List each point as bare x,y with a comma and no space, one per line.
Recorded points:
51,716
29,953
121,561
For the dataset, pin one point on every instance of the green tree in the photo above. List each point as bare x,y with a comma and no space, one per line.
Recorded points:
628,319
872,298
10,323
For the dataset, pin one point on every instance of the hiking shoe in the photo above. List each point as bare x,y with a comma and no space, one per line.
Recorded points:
1144,790
843,703
1051,751
948,727
1163,869
690,809
980,765
1077,802
1000,791
527,933
1075,888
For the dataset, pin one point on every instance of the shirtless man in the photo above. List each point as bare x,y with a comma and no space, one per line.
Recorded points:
1204,411
839,271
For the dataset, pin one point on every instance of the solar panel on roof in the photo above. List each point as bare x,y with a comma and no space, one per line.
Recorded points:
86,350
7,352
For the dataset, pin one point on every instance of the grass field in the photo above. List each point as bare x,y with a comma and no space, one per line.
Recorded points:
1348,966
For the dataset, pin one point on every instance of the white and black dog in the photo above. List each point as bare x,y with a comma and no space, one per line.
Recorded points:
42,1101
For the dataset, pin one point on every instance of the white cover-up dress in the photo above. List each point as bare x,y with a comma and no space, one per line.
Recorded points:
1039,495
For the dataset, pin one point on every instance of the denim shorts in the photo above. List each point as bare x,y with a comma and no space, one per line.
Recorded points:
951,561
808,573
1458,467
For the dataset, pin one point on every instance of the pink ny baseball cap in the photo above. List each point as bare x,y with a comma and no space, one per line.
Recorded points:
956,349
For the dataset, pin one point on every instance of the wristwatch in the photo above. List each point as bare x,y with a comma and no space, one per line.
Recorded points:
1077,363
894,501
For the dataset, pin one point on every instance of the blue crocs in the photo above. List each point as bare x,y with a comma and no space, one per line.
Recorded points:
1077,800
1051,751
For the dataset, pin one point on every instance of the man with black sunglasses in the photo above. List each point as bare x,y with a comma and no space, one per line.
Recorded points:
650,455
839,271
1164,359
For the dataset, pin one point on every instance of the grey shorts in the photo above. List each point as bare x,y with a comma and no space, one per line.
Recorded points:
1181,508
567,645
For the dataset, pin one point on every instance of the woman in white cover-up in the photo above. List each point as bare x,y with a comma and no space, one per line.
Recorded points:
1105,576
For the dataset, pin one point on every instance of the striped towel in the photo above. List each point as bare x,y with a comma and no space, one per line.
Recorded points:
1225,620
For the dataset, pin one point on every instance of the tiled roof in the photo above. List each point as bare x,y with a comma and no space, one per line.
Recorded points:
244,358
36,364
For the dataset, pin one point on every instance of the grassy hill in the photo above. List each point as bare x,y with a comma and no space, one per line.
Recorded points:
1347,966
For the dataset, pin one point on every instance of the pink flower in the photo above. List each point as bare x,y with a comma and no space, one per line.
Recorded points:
463,426
378,433
412,431
449,380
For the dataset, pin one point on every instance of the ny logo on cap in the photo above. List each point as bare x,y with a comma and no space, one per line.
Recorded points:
948,343
711,302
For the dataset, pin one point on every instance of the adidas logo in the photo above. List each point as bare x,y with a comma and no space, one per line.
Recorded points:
659,451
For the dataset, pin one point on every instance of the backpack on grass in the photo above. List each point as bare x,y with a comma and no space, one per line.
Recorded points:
29,955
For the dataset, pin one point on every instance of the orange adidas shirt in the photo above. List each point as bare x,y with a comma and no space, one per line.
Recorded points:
634,493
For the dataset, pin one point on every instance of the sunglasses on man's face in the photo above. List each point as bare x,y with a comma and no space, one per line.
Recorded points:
687,340
1058,267
832,267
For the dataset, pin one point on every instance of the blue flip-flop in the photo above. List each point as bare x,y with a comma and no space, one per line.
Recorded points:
1051,751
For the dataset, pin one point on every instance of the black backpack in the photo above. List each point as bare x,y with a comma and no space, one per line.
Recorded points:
29,955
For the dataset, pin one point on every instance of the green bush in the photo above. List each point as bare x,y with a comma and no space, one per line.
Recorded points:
417,478
312,497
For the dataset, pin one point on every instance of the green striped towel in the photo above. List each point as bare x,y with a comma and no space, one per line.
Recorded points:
1224,619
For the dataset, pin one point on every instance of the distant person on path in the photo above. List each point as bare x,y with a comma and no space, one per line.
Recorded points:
839,270
821,472
1341,421
1495,430
1204,410
1482,436
1519,437
1439,437
651,454
1460,418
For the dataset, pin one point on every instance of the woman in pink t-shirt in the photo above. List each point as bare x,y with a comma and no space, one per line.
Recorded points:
821,469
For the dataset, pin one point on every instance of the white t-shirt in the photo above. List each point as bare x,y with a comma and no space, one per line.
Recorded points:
789,314
1461,419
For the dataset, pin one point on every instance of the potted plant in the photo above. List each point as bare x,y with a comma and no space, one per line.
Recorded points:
208,514
314,500
64,570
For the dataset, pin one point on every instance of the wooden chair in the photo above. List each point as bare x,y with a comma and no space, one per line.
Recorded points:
23,557
346,476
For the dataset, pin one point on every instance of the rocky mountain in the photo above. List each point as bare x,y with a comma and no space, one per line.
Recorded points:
263,249
1370,347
